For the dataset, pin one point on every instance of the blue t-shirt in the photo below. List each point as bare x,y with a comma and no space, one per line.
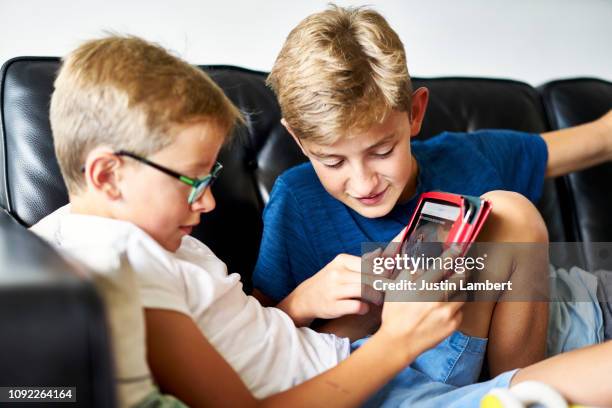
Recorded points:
305,227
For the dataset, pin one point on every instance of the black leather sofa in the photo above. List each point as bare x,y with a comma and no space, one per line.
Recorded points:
52,323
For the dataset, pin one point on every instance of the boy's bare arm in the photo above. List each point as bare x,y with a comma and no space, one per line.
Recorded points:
187,366
579,147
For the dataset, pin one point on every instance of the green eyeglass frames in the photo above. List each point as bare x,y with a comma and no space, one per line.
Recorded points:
198,186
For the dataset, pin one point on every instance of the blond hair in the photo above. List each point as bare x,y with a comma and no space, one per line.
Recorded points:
127,93
341,69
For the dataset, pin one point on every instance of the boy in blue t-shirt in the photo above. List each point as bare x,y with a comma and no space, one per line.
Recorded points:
345,94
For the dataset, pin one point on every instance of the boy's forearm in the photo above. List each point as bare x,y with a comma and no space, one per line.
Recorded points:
351,382
579,147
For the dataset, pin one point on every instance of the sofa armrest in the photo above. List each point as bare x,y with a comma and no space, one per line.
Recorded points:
53,326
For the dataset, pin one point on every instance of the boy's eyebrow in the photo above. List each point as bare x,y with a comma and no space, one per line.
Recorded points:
322,155
381,142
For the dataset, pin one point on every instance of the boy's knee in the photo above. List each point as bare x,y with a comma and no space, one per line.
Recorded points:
514,218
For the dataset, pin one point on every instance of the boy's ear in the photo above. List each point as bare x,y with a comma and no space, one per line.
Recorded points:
102,172
292,133
420,97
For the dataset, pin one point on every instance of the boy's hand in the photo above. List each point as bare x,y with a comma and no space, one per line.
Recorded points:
419,326
429,317
336,290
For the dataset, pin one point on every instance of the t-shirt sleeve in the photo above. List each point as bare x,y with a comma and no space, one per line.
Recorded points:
285,250
159,280
519,158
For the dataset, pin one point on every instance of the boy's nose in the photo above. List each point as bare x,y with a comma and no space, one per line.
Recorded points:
206,203
363,182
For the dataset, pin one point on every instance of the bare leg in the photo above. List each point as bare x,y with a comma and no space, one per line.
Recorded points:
516,330
582,376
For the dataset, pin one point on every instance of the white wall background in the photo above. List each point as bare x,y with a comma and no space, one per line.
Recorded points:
529,40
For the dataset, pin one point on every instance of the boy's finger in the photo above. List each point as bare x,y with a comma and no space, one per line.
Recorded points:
361,291
369,279
453,251
351,306
435,275
348,277
360,285
456,306
367,260
454,280
392,247
371,295
430,276
399,236
350,262
439,274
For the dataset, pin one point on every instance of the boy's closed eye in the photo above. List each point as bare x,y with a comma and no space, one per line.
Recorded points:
381,153
329,160
384,152
334,165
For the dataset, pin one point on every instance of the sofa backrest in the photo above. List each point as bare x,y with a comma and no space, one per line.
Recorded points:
31,184
586,195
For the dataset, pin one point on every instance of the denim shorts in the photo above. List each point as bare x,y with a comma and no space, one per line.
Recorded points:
445,376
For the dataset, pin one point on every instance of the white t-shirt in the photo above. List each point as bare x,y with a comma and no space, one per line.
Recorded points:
105,257
261,343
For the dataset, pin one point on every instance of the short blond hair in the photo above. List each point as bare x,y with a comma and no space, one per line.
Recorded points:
341,69
129,94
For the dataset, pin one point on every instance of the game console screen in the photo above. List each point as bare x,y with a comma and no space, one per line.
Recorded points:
433,226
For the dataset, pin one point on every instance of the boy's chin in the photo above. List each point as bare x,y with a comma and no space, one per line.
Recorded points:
171,245
373,211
